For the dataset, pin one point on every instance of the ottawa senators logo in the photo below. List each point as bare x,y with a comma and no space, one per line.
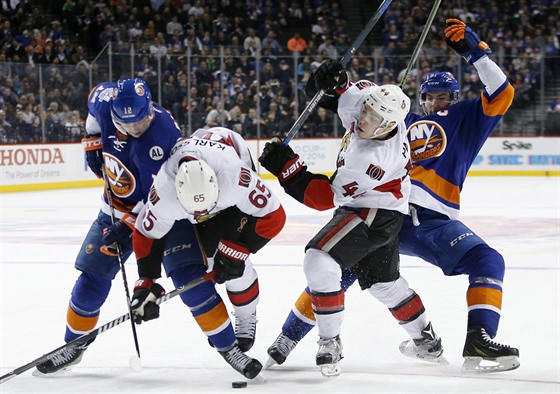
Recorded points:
375,172
244,177
153,196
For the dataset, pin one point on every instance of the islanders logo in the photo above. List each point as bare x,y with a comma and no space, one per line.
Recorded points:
121,180
427,140
139,89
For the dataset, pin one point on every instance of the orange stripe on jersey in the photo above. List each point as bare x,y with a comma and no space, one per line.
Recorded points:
326,303
319,195
304,306
499,104
409,309
271,224
90,92
484,296
118,204
80,323
213,319
443,188
240,298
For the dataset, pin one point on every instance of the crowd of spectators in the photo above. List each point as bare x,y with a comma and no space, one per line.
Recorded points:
241,63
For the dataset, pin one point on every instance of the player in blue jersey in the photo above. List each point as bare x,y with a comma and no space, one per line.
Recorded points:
131,137
444,143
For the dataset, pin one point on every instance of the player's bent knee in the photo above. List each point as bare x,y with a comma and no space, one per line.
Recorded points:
484,261
322,272
90,291
391,292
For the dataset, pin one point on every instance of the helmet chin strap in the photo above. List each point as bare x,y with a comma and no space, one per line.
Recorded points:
384,128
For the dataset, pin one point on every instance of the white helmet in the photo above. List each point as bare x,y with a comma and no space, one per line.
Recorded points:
383,108
196,185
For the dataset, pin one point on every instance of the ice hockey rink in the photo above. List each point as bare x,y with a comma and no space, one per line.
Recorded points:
519,216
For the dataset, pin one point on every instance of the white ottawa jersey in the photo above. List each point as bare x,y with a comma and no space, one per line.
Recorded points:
239,185
370,173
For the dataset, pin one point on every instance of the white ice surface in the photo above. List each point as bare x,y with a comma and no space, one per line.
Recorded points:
42,231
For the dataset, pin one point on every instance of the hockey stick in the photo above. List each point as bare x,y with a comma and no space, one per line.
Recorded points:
319,95
106,327
420,42
136,364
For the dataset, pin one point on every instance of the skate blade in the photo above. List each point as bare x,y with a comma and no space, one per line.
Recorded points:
269,363
437,360
441,360
61,371
259,379
330,370
477,365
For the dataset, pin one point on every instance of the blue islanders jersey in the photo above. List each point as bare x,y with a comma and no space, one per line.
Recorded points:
131,163
443,146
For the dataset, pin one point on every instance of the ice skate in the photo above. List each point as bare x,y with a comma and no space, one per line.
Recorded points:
245,365
279,350
427,348
482,355
63,360
245,330
329,355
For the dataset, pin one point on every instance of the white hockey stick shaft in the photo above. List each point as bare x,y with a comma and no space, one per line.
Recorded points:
105,327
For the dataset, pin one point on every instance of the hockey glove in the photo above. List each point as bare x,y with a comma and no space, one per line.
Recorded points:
281,160
121,231
94,153
229,261
143,307
330,75
465,41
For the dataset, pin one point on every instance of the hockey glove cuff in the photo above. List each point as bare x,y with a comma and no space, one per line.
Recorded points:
94,153
229,261
121,231
281,160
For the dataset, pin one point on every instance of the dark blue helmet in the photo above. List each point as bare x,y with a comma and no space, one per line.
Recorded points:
440,82
131,106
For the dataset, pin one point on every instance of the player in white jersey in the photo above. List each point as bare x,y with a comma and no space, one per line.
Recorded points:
444,143
130,136
208,180
371,189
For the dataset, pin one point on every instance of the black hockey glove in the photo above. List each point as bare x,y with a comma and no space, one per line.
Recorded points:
229,261
143,307
330,75
465,41
280,159
94,153
121,231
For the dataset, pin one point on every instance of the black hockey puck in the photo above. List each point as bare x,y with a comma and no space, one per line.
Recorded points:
239,385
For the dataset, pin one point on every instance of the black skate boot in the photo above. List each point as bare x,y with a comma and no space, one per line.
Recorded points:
329,355
245,330
427,348
480,348
245,365
63,360
279,350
